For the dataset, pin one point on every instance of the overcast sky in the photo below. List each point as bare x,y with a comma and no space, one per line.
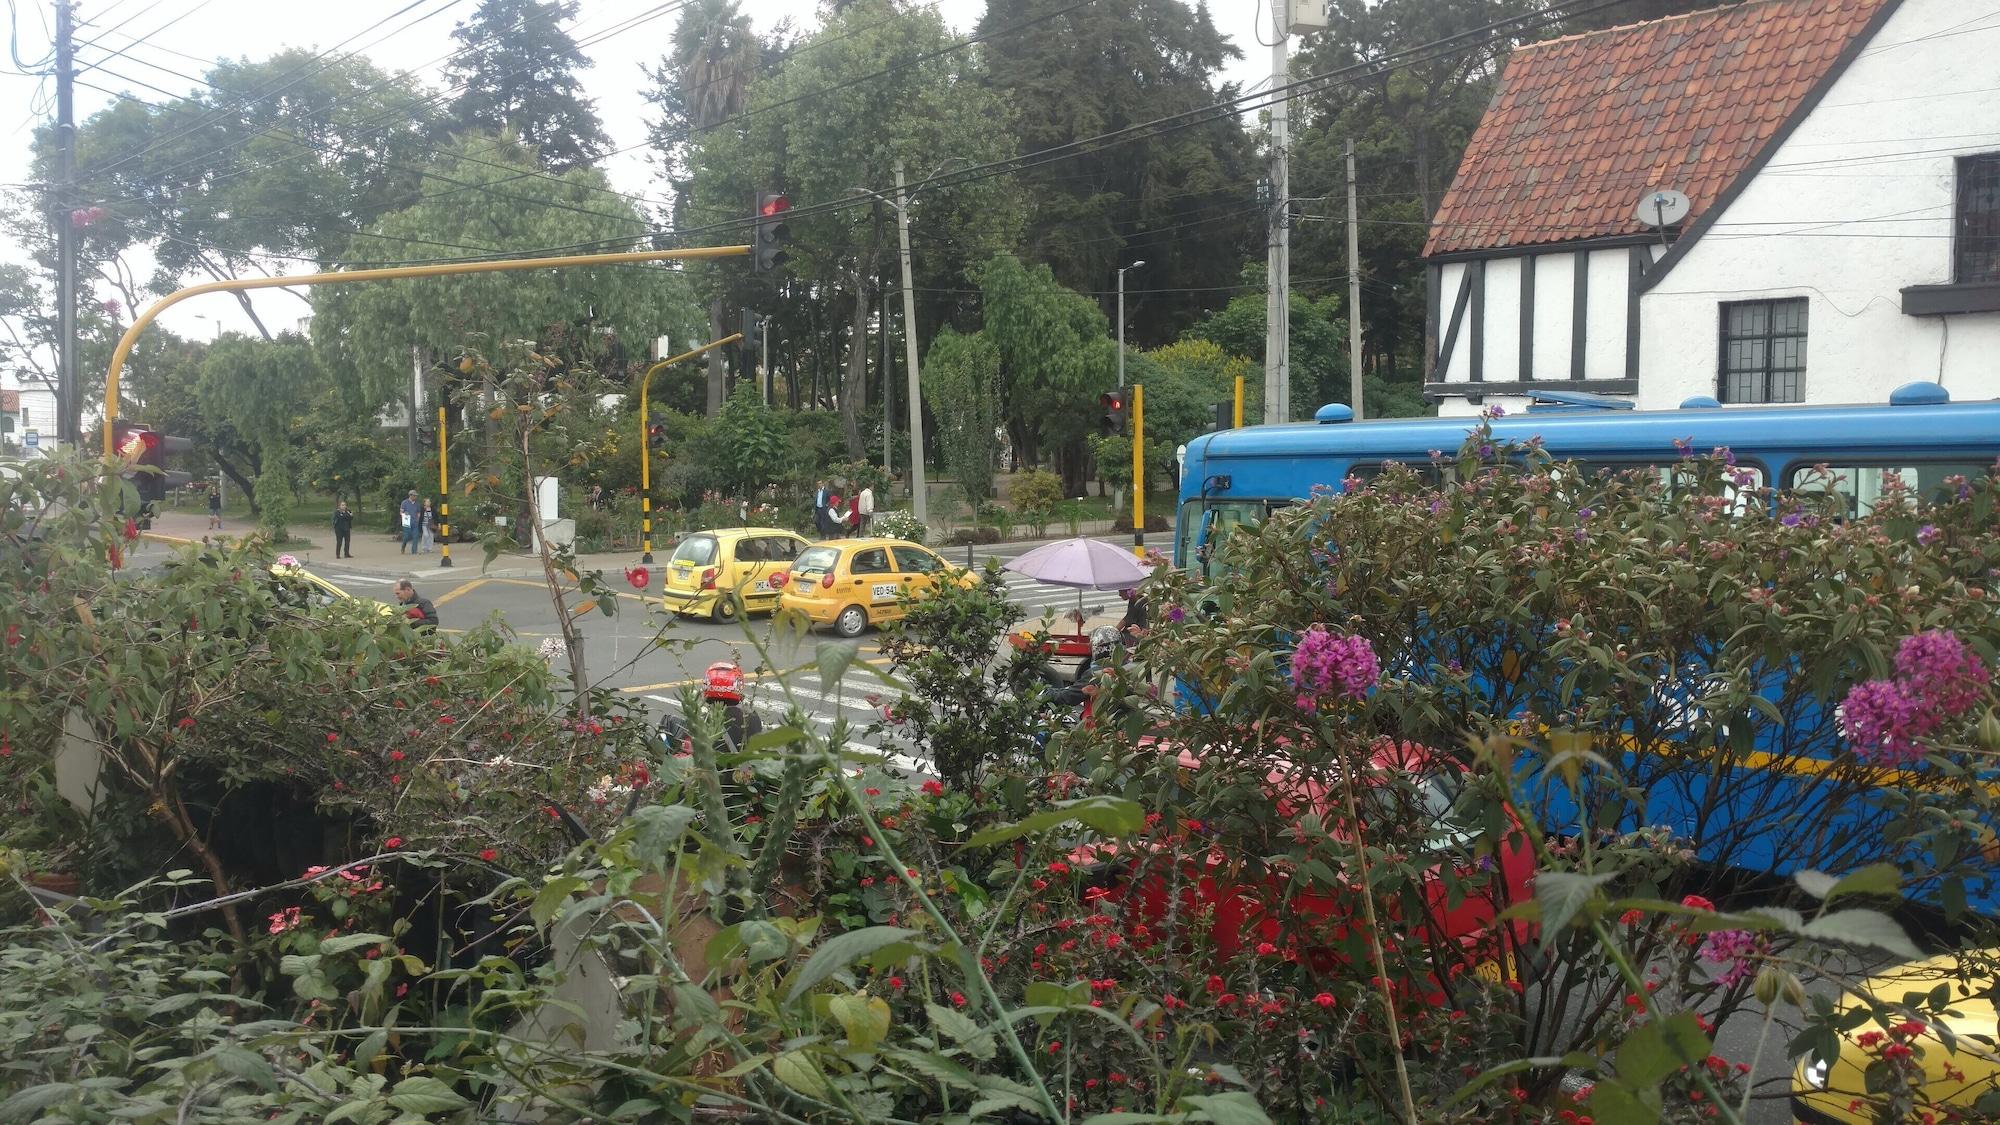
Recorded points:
180,35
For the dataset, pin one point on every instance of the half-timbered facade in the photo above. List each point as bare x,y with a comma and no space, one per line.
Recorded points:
1843,229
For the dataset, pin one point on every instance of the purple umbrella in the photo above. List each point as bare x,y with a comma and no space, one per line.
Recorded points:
1085,564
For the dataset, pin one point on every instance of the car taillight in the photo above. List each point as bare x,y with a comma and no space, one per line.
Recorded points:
827,582
708,579
779,578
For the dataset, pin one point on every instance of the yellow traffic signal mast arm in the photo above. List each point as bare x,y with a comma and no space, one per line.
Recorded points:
393,273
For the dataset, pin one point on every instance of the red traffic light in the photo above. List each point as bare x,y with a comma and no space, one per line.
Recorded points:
1111,401
773,204
136,444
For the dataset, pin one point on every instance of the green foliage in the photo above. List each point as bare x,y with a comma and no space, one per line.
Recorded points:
1056,357
516,72
962,383
751,439
1037,495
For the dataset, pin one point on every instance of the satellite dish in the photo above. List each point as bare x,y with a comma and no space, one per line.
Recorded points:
1662,208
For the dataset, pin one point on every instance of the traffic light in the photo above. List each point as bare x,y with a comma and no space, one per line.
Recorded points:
767,244
1112,421
656,436
1225,415
753,334
146,452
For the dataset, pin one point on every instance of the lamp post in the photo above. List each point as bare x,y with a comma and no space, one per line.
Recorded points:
1121,317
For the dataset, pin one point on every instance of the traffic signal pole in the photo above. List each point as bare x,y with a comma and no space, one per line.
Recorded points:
345,277
444,495
1139,470
646,436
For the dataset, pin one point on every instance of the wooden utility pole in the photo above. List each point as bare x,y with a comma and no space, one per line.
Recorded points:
1353,292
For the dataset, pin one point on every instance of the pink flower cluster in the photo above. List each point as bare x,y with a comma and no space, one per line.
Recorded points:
1936,678
1327,664
1734,948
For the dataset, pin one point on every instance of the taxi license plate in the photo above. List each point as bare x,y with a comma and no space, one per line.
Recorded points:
680,572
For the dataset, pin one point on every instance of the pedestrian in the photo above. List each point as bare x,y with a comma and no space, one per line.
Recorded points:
214,508
854,517
864,506
597,496
1136,620
431,517
836,520
343,531
819,510
409,511
427,523
421,611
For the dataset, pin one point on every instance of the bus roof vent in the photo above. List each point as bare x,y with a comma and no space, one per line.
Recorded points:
1919,394
1546,401
1700,402
1333,412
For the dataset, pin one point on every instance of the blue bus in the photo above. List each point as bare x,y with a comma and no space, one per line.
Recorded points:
1235,478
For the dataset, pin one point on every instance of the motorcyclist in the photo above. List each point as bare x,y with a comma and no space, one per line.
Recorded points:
722,685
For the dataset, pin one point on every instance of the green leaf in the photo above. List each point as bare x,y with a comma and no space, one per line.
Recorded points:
797,1070
833,659
371,1046
841,951
1123,1118
1232,1108
26,1104
1611,1103
935,1067
246,1065
1863,927
962,1029
1874,879
553,894
1109,816
657,831
1659,1048
1562,894
1485,1078
424,1094
771,739
345,942
864,1018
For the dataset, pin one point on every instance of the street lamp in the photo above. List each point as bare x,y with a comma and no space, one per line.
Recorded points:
1121,317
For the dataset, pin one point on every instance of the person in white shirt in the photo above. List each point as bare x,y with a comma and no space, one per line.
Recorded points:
865,506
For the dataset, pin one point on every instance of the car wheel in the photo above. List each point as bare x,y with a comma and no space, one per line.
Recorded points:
725,609
852,622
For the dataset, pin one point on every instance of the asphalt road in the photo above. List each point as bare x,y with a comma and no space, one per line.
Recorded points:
646,652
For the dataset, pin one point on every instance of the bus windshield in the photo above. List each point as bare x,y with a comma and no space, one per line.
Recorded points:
1204,525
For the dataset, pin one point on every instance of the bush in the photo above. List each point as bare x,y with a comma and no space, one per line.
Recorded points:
900,525
976,536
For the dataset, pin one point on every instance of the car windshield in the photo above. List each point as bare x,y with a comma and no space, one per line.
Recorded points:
698,551
816,560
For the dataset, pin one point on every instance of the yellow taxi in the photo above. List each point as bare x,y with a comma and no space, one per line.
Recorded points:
1839,1092
851,584
295,585
710,565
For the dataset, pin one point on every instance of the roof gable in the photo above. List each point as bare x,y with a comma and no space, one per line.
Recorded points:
1579,128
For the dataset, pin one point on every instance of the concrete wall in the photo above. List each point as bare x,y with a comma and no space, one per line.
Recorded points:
1854,205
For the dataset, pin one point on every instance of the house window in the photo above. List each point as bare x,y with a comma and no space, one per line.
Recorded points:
1763,351
1976,250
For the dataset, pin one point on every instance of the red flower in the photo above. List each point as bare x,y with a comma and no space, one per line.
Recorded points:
639,577
446,720
1868,1038
332,737
958,999
393,842
934,787
13,635
1324,999
1265,949
873,792
394,755
1058,867
1696,902
131,530
1911,1028
895,982
395,779
869,881
489,855
1630,918
185,724
1896,1051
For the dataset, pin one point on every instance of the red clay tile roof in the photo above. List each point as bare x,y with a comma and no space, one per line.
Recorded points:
1580,127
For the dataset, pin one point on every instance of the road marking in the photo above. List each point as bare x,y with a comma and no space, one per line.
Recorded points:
368,579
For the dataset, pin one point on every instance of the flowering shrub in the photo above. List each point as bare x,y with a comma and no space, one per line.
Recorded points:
900,525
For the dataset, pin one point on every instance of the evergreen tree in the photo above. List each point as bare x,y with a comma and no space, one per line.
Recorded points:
516,70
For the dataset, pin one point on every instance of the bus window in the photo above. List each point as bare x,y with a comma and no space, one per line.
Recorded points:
1204,525
1862,486
1675,477
1430,474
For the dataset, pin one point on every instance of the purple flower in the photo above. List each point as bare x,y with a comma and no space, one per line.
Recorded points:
1485,451
1734,948
1494,411
1326,663
1175,614
1585,513
1929,534
1790,519
1941,668
1728,455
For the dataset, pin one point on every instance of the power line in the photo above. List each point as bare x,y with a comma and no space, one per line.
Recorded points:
198,6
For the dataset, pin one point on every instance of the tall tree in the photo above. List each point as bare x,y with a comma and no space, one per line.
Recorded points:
703,82
516,71
1182,199
1056,357
961,377
875,86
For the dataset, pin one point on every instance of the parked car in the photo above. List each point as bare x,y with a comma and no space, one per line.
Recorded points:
850,584
295,585
708,566
1839,1092
1238,912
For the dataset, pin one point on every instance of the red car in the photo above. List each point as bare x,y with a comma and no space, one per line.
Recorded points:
1320,924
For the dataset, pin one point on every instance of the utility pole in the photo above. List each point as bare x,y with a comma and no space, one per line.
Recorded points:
68,401
919,504
1353,292
888,398
1277,313
416,397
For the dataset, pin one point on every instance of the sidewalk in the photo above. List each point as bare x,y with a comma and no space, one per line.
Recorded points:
379,553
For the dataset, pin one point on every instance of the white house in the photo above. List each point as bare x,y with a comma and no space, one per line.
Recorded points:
30,404
1840,161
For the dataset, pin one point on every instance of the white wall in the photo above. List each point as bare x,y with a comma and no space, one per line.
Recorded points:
1503,320
1854,205
1555,283
1457,367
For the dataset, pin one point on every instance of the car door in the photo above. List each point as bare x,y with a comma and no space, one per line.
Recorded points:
873,582
762,555
919,570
